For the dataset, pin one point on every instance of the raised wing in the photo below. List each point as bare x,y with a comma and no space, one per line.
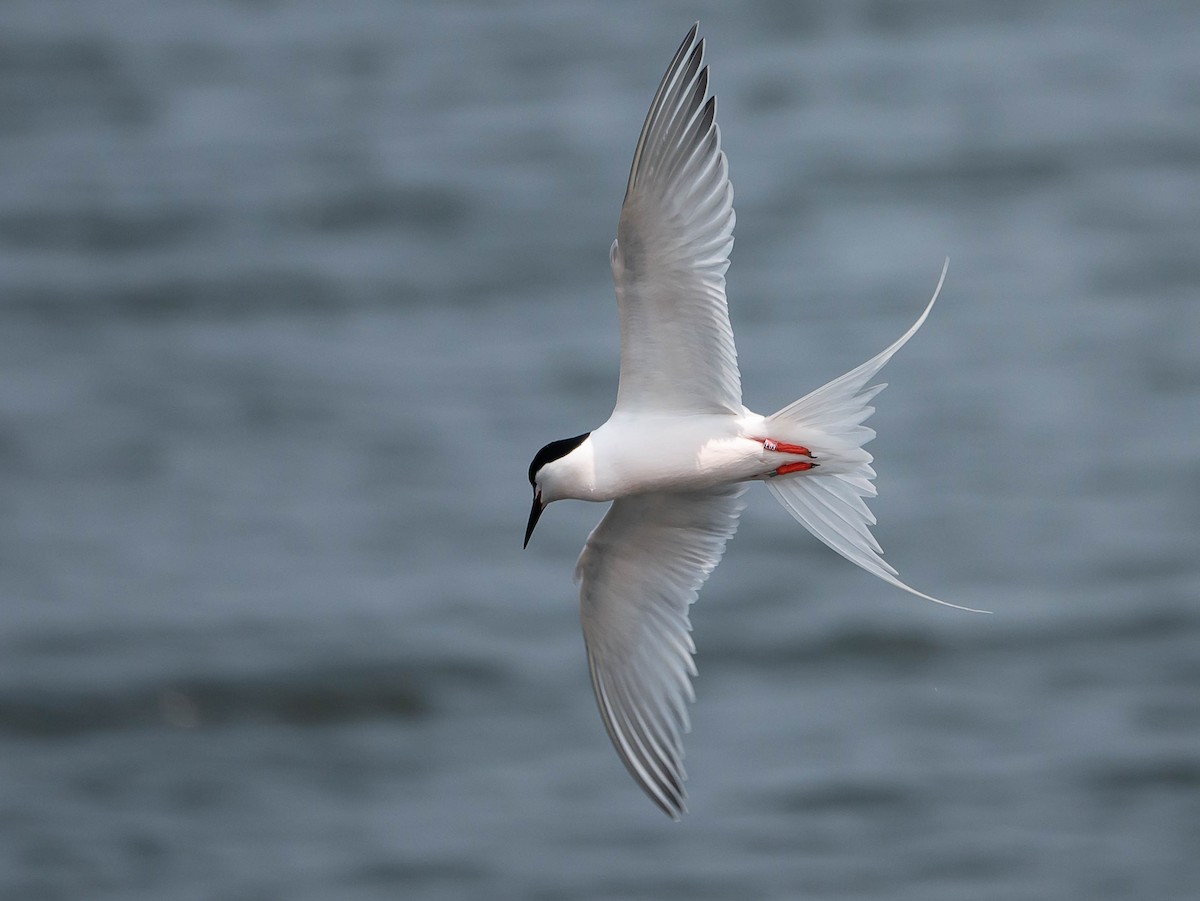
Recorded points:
672,250
641,568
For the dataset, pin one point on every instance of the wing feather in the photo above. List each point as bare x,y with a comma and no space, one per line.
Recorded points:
672,250
641,569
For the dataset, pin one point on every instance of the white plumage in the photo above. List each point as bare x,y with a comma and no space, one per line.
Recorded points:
679,450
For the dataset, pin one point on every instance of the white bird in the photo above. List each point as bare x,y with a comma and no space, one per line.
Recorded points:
678,450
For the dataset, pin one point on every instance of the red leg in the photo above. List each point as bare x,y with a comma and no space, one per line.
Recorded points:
793,467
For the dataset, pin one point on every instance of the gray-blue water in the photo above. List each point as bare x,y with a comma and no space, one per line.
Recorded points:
290,292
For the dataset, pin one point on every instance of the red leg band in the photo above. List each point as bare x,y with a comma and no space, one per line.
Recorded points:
783,447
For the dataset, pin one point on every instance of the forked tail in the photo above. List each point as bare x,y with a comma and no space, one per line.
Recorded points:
828,501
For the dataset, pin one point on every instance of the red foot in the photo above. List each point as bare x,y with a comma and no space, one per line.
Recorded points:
793,467
784,448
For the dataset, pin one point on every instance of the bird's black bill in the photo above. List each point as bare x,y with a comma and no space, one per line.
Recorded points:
534,515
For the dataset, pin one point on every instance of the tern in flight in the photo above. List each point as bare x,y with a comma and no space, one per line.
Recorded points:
679,449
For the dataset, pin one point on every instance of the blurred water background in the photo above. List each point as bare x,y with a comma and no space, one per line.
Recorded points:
290,292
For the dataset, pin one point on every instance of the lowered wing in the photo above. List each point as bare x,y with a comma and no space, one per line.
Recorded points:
641,569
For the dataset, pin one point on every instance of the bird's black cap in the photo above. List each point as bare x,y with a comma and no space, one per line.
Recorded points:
553,451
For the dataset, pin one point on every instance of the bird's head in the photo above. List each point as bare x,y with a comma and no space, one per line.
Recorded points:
546,477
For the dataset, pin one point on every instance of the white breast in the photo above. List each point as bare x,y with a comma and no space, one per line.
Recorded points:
637,454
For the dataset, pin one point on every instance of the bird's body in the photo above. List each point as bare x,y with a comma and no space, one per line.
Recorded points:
680,448
638,453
